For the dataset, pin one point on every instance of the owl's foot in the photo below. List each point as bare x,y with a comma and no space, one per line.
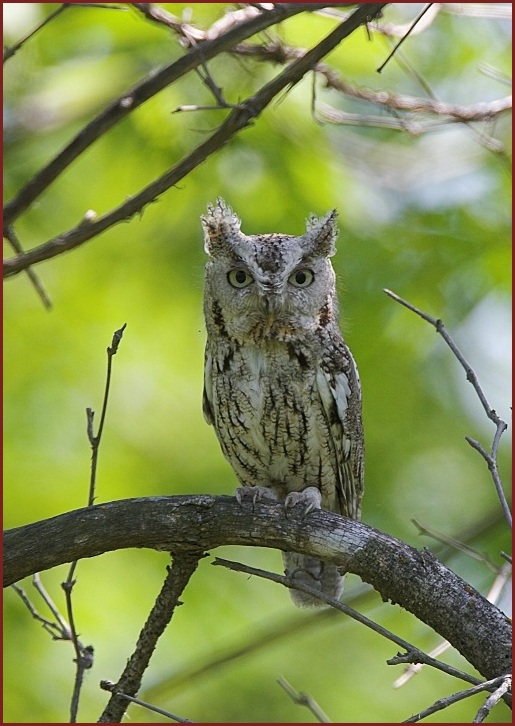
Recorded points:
310,498
255,495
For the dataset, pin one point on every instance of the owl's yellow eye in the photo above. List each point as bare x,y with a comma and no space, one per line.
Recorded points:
301,278
239,277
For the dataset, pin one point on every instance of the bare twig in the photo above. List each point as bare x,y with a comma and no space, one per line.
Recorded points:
84,655
161,16
10,235
455,544
55,629
303,699
407,33
492,700
248,645
449,700
412,654
413,123
65,628
95,440
480,10
129,683
501,426
10,51
278,52
111,687
60,630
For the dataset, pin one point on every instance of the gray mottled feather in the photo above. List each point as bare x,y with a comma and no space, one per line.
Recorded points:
280,385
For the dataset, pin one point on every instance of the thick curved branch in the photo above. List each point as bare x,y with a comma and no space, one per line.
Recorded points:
414,579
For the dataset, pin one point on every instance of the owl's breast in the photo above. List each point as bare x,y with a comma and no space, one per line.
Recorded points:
270,420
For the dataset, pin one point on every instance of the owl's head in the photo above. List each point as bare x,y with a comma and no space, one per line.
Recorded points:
273,286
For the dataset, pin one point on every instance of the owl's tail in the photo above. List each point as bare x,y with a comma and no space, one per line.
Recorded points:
319,575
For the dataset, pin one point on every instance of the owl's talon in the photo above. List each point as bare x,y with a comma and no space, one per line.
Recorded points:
310,498
255,494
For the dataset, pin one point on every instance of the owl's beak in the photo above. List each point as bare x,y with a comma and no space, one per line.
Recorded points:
273,306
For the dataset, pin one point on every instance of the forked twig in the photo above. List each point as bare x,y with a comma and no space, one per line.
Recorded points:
178,575
84,655
10,235
411,655
111,688
442,703
239,118
303,699
493,699
94,439
501,426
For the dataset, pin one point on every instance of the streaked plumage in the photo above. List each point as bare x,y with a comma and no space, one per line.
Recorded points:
281,387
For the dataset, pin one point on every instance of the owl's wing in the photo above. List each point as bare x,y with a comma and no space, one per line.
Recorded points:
207,397
340,392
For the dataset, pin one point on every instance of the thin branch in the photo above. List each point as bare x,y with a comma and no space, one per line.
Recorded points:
38,585
279,52
138,94
178,576
54,629
492,700
413,654
501,426
96,439
394,30
84,655
248,645
413,123
455,544
111,688
405,36
10,51
480,10
303,699
161,16
237,120
443,703
10,235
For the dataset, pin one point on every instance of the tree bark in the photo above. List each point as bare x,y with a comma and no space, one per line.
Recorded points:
412,578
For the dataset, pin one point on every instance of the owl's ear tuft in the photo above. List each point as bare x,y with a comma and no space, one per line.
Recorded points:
322,232
219,224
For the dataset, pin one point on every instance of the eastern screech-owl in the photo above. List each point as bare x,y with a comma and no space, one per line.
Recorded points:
280,385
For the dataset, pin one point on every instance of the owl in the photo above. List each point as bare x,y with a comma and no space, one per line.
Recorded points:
281,388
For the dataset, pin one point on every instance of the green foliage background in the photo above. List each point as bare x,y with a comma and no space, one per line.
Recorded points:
427,216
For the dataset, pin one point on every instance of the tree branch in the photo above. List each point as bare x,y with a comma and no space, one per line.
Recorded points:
501,426
183,567
238,119
134,97
414,579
